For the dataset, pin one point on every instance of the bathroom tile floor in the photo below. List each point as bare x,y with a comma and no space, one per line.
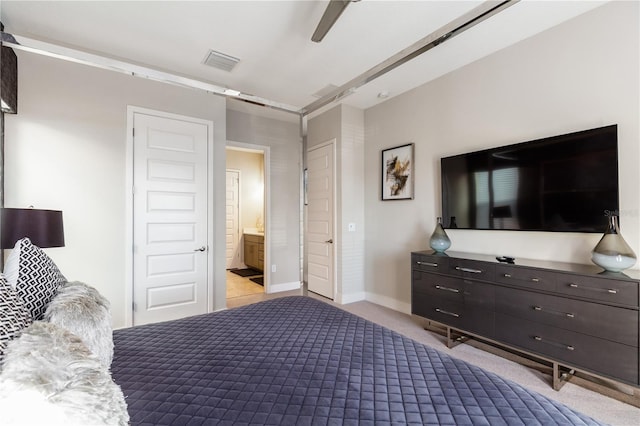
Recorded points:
238,286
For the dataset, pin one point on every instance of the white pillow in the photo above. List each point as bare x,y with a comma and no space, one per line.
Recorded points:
49,372
11,265
82,310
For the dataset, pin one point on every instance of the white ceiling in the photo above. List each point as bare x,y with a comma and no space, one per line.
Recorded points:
272,39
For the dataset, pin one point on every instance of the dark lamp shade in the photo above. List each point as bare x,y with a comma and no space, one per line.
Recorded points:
43,227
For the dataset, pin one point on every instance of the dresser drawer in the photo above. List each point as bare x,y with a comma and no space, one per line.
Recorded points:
429,262
472,269
469,292
445,311
603,321
526,277
601,356
454,314
438,286
599,289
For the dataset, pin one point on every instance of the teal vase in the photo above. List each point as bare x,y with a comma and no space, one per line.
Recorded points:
439,240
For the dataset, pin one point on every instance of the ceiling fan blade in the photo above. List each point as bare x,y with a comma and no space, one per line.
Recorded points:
331,14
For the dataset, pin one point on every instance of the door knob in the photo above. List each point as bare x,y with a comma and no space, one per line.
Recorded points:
330,241
203,248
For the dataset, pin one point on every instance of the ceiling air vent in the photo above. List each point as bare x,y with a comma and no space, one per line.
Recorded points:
220,60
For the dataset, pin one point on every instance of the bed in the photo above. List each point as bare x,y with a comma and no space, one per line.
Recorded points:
300,361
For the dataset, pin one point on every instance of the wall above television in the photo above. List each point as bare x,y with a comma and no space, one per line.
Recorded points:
565,183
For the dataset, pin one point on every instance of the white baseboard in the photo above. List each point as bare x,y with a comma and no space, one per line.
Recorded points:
389,302
277,288
344,299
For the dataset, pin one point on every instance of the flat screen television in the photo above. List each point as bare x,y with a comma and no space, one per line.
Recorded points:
566,183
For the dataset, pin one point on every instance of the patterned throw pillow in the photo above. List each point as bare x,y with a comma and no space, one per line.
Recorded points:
38,278
14,315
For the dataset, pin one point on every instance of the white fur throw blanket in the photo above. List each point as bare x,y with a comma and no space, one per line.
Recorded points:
51,378
82,310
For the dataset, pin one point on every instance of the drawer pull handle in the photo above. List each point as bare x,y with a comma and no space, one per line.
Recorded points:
453,314
473,271
507,275
453,290
566,314
609,290
535,280
567,347
434,265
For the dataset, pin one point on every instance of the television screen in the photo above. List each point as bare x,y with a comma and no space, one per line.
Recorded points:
564,183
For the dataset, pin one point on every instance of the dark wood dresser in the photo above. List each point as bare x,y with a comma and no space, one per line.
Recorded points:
575,317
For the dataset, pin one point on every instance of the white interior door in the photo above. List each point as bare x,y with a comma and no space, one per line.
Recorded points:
320,220
233,219
170,235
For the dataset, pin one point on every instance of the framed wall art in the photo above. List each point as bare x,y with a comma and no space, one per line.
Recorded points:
397,173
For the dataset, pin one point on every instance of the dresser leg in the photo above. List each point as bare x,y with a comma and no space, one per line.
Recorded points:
454,338
560,377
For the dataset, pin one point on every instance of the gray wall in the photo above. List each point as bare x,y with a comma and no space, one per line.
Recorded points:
579,75
285,143
66,150
345,124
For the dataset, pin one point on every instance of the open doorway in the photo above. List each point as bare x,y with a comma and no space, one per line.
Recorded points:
245,222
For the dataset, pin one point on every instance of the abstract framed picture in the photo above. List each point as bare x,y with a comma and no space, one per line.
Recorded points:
397,173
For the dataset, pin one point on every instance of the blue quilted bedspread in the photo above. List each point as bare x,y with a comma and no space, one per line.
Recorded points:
299,361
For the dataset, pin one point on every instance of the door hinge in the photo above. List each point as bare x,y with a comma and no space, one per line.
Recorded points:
133,132
134,307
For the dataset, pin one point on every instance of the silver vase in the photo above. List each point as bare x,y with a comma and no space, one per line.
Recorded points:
439,240
612,252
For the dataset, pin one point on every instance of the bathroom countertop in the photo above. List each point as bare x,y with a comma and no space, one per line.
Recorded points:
253,231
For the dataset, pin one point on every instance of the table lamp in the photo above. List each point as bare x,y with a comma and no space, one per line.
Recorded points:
43,227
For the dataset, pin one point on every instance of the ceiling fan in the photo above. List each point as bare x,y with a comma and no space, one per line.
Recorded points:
331,14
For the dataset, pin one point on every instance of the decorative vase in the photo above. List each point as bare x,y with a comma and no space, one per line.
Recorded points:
612,252
439,240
